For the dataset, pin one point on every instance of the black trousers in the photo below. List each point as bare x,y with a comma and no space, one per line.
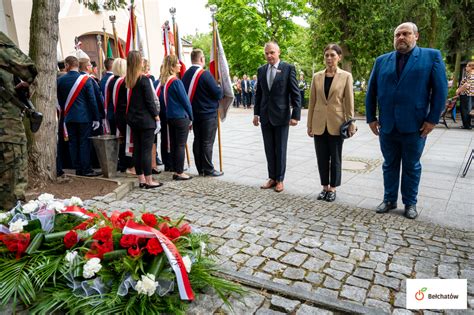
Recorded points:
275,140
142,145
329,156
204,137
179,130
467,102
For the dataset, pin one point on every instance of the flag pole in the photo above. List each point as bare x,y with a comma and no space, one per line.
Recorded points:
101,62
176,51
112,20
213,9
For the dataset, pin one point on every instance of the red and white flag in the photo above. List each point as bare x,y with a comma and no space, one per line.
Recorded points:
219,68
132,39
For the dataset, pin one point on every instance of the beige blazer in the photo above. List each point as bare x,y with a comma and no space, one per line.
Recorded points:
330,112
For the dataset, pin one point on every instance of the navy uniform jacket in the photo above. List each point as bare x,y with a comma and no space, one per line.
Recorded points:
99,99
84,109
207,95
249,86
417,96
273,105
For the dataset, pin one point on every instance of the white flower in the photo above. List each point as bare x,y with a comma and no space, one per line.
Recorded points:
46,198
57,206
147,285
3,216
187,263
203,247
75,201
70,256
17,226
91,267
30,207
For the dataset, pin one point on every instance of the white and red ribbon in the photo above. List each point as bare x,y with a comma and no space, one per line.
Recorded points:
73,94
128,135
172,253
80,212
194,82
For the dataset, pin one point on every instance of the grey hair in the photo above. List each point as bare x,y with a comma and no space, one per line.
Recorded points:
411,24
273,43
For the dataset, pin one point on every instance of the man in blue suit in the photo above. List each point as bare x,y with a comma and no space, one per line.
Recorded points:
81,116
409,87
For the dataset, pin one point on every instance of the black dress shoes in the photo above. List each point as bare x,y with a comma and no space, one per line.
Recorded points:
410,212
386,206
153,186
330,196
93,174
155,171
177,177
142,185
214,173
322,195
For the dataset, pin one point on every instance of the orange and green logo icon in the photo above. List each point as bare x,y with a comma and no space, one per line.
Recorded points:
419,295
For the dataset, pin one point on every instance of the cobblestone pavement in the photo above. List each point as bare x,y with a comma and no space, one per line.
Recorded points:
345,253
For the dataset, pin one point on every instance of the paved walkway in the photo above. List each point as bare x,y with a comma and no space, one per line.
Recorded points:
444,197
334,252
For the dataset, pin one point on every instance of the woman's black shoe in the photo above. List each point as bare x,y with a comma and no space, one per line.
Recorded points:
322,195
155,171
177,177
142,185
153,186
331,196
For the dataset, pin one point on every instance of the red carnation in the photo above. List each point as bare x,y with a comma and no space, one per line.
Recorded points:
154,247
70,239
16,242
134,251
173,233
103,234
128,240
149,219
164,228
184,229
126,215
98,250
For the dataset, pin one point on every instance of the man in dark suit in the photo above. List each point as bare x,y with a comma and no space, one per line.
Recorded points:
410,88
276,88
79,113
204,94
246,91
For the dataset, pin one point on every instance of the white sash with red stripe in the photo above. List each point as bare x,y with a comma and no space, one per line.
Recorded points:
174,258
157,90
194,82
128,135
106,105
71,97
115,95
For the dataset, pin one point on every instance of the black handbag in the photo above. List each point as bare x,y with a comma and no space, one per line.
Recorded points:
344,130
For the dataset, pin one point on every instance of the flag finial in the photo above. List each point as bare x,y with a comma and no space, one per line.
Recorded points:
173,11
213,8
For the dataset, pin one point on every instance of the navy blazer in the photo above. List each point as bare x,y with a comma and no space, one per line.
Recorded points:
417,96
84,109
249,86
110,105
99,99
207,95
273,106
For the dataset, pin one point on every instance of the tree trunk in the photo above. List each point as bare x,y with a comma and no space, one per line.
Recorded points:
44,28
457,67
433,28
346,61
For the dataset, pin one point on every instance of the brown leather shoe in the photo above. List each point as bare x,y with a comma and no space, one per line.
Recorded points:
279,187
269,184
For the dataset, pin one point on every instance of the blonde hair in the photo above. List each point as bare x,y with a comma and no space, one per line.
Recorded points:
119,67
134,68
167,71
146,65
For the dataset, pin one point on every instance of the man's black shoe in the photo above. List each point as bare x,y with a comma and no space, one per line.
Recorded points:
214,173
386,206
410,212
93,174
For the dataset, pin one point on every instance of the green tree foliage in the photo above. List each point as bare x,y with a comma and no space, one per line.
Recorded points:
111,5
246,25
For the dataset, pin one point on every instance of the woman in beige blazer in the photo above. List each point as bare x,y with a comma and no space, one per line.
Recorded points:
331,103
